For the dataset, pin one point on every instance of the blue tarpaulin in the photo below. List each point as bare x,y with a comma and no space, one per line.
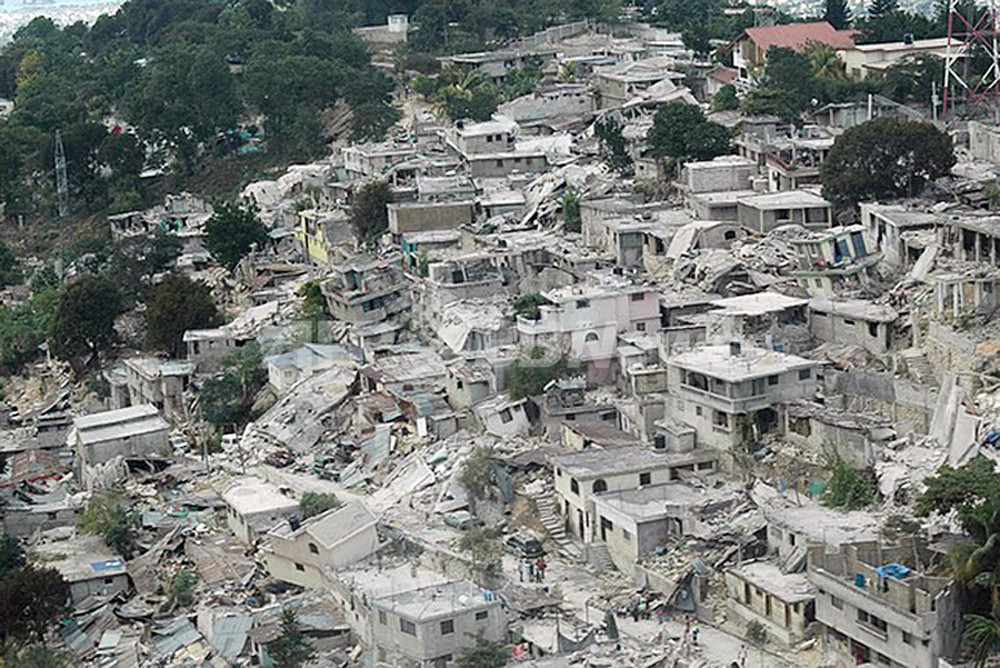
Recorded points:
898,571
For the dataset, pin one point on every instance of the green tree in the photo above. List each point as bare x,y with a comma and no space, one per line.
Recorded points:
529,375
526,305
771,101
825,63
37,655
893,26
572,221
184,96
681,132
11,554
317,503
972,492
849,488
219,403
912,79
84,322
369,212
791,72
881,8
478,473
24,328
486,553
10,272
291,90
225,399
981,637
135,262
485,653
182,588
614,148
176,305
314,309
232,231
726,99
30,600
885,158
110,516
837,14
291,649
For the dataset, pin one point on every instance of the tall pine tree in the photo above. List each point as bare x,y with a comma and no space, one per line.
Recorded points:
837,14
880,8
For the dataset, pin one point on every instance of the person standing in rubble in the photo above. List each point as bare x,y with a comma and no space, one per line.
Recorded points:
540,566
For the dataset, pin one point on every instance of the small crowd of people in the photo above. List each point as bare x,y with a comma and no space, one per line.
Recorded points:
533,571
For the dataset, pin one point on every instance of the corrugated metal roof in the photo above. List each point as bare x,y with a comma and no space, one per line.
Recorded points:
229,634
174,635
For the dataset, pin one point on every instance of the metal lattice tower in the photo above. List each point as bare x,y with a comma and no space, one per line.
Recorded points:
972,40
62,184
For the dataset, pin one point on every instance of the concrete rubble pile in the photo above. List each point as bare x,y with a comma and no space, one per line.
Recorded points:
546,406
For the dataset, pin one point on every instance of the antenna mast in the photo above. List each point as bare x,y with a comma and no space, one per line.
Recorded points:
62,184
972,36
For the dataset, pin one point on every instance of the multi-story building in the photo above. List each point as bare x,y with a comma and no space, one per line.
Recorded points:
580,476
886,605
732,394
367,290
301,552
759,214
429,627
584,320
253,507
159,382
834,260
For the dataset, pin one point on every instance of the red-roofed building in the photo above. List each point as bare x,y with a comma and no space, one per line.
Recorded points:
718,77
750,50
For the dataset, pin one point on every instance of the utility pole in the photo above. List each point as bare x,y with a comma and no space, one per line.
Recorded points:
62,185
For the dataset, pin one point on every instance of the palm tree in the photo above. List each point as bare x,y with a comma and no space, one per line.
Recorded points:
982,636
825,63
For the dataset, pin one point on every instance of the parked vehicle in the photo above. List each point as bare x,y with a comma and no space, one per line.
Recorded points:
460,519
524,546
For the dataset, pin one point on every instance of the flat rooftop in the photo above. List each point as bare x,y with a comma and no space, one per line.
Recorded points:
607,287
154,366
904,217
331,527
784,200
789,587
915,45
252,495
761,303
720,362
496,126
657,501
628,459
820,524
855,308
720,197
112,425
442,600
988,225
720,162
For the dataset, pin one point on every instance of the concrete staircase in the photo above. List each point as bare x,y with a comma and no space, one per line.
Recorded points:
598,556
553,523
919,368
